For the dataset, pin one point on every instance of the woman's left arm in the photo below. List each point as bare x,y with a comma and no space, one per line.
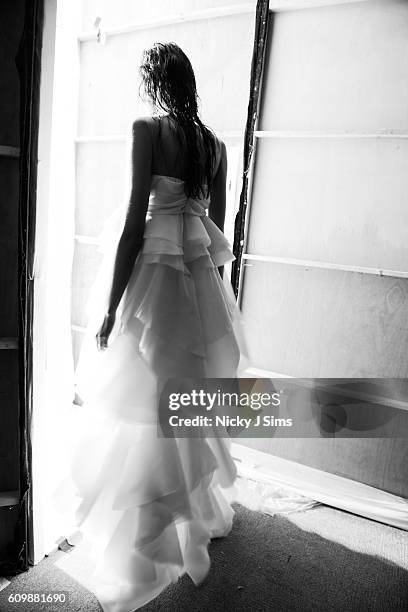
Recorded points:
131,239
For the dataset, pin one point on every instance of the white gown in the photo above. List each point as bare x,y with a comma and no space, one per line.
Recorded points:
149,504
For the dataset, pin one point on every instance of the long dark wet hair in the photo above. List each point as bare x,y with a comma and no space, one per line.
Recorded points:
168,80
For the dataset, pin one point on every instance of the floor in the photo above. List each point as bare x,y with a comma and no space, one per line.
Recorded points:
320,560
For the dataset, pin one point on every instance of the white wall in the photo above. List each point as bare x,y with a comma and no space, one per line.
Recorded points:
330,186
325,287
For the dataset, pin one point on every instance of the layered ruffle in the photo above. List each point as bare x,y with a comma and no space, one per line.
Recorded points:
180,313
179,239
148,505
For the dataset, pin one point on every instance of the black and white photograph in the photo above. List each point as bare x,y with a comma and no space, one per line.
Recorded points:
204,305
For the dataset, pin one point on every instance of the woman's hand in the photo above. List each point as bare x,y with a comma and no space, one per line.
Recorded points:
105,331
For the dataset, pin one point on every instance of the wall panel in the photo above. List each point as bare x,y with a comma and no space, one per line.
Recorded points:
332,200
338,68
109,88
77,338
377,462
312,322
84,270
128,11
100,183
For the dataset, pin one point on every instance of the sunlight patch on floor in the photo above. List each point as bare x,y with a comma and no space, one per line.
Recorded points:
271,499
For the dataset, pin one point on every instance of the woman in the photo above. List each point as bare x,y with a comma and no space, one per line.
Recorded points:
151,504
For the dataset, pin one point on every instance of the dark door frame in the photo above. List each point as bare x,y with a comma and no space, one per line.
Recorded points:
258,59
28,61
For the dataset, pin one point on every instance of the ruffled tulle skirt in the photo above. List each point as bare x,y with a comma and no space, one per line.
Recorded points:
150,504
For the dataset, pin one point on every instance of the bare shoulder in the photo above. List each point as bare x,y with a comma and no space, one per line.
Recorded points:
142,124
141,135
216,138
223,148
221,154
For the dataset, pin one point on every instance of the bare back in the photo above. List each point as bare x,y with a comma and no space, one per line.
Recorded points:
168,156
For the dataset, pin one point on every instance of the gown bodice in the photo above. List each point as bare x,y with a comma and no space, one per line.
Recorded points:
167,197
